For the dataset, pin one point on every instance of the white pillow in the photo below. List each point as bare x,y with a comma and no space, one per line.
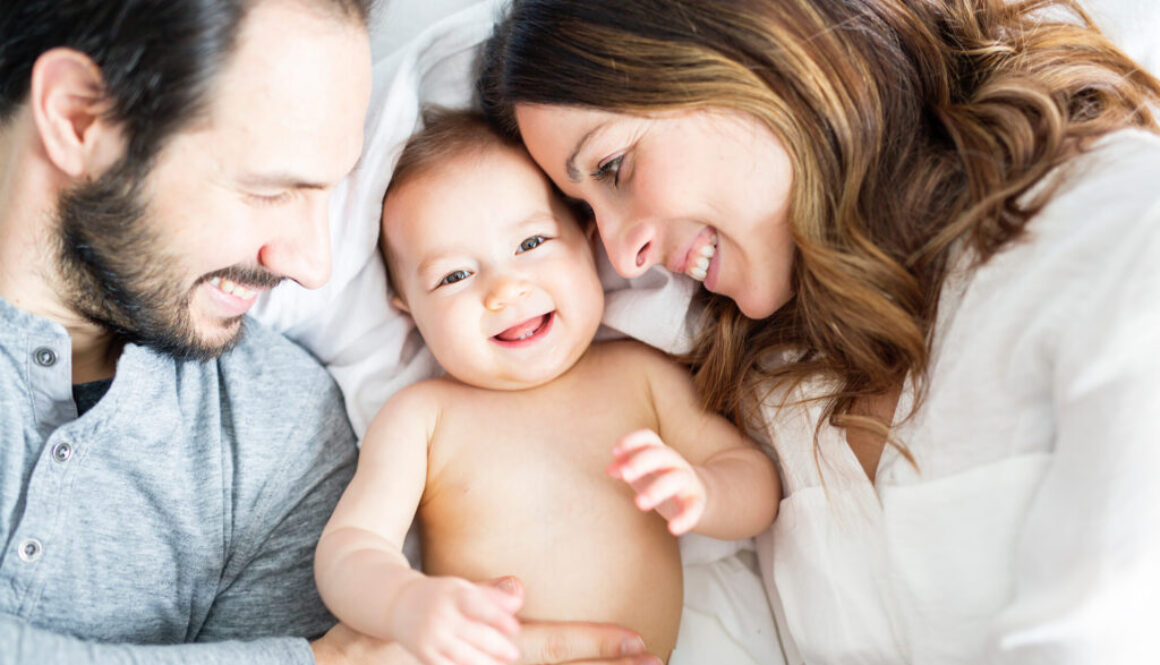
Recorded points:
1134,25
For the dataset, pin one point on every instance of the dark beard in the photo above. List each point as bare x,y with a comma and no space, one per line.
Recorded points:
116,274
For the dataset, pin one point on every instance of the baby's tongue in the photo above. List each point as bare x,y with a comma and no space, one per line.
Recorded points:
521,330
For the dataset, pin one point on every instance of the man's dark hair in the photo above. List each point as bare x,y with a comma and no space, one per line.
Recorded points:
158,57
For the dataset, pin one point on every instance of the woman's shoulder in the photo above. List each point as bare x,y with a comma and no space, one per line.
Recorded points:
1105,202
1115,181
1098,234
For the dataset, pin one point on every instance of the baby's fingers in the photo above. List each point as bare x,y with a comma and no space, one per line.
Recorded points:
463,653
660,488
686,516
493,607
485,644
644,461
673,494
641,438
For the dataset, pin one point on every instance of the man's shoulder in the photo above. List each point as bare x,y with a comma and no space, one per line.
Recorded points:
274,389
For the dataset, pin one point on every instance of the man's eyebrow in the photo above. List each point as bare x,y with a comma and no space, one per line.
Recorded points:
574,173
279,181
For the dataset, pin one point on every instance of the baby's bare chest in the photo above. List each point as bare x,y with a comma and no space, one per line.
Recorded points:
510,447
507,465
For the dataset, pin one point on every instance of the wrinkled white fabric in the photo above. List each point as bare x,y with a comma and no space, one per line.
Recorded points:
1028,531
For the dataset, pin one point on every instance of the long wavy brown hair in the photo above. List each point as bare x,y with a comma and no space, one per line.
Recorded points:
914,127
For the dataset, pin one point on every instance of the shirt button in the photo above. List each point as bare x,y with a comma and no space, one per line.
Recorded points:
62,451
30,549
44,356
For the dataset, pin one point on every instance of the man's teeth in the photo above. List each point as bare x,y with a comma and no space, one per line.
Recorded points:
700,266
233,288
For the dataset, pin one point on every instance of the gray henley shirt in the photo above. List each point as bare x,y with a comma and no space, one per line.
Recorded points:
175,522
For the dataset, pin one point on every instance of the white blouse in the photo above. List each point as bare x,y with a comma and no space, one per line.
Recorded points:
1030,530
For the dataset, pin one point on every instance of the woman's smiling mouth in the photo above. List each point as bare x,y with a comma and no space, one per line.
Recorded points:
698,257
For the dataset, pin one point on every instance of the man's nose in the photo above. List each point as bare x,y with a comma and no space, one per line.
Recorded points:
301,251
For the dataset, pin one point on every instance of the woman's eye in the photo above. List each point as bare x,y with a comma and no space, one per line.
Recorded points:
609,169
453,277
531,243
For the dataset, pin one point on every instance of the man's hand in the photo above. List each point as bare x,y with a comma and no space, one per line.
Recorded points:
550,642
575,643
662,479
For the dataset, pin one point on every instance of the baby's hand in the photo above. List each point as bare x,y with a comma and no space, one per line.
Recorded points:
662,478
450,621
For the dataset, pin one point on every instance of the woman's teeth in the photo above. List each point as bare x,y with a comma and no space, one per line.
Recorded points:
233,288
699,266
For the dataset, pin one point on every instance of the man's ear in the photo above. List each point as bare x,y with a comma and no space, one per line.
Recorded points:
68,104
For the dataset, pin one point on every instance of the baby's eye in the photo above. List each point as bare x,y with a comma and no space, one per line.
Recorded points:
453,277
531,243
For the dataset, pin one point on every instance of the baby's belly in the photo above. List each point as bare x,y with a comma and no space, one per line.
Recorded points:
582,549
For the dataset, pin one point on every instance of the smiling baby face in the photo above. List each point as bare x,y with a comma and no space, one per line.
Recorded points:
494,268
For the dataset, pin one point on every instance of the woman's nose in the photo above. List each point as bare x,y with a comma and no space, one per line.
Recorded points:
633,247
506,290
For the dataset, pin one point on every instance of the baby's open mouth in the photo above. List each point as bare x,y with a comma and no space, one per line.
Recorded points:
526,329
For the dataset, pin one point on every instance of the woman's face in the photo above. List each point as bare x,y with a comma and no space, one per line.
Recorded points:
704,193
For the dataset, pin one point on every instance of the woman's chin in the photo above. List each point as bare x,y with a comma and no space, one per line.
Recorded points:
758,308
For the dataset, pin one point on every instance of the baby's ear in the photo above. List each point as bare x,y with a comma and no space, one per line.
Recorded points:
399,304
592,233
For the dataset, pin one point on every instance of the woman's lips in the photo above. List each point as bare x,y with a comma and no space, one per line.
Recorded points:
698,257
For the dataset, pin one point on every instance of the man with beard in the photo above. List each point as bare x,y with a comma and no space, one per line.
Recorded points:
167,465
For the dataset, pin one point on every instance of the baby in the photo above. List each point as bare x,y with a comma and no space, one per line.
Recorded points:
541,454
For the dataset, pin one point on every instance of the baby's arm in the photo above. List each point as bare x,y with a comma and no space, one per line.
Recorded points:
359,566
697,470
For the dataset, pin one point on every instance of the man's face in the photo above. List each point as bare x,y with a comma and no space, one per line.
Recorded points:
235,203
